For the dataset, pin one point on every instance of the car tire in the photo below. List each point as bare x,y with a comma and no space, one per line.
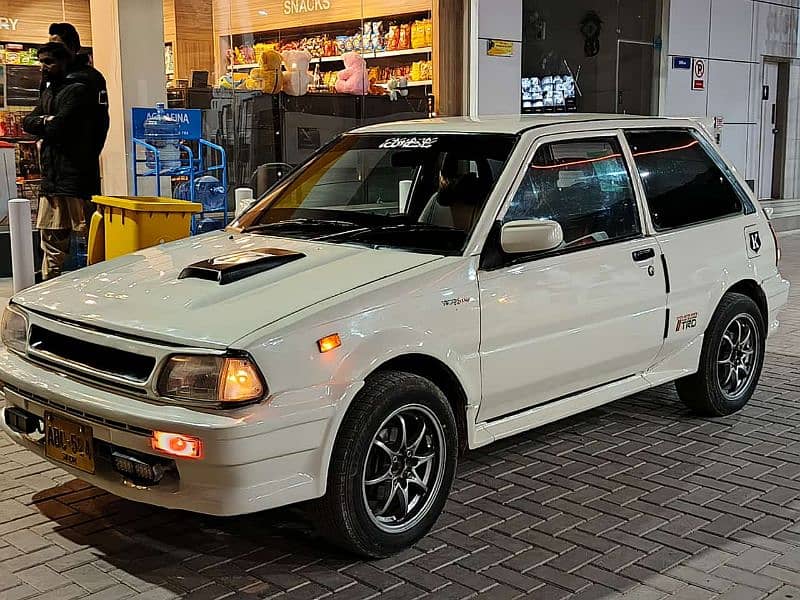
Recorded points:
730,362
378,474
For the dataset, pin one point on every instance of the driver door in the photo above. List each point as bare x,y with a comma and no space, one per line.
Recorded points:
590,312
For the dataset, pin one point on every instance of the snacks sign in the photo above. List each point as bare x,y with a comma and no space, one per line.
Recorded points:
295,7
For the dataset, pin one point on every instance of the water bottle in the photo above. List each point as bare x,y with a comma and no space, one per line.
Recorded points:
209,192
163,132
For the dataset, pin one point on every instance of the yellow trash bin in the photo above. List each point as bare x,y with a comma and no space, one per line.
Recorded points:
124,224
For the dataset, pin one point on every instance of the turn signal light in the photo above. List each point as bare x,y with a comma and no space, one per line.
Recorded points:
175,444
330,342
240,381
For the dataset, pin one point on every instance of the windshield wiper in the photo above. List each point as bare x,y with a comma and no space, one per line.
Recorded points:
299,224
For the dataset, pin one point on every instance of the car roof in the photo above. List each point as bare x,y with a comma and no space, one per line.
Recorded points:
515,124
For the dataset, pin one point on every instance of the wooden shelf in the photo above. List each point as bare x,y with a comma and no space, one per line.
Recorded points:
367,56
411,84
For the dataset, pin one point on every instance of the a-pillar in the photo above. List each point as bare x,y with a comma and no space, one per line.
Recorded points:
128,48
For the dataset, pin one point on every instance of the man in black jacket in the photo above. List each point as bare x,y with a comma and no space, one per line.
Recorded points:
65,121
81,70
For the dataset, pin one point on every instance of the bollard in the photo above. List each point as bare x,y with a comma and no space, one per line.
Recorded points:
19,223
244,198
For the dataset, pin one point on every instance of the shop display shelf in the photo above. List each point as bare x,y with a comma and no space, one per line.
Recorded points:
17,140
367,56
425,83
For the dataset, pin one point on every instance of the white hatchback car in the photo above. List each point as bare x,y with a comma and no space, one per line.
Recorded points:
411,290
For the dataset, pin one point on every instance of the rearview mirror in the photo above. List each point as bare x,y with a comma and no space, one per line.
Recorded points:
523,237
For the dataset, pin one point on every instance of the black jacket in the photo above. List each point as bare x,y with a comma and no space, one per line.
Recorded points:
82,71
70,153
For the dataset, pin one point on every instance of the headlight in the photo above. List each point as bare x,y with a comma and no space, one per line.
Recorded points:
15,330
219,380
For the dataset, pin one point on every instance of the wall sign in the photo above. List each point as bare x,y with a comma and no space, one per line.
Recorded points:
8,24
191,121
295,7
698,74
681,62
499,48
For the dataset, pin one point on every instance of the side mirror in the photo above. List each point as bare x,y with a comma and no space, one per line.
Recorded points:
523,237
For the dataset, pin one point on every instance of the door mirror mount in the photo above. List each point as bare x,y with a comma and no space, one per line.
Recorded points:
525,237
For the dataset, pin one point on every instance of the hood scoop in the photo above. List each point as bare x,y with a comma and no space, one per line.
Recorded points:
229,268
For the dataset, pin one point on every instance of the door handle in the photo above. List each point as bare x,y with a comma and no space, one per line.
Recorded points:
643,255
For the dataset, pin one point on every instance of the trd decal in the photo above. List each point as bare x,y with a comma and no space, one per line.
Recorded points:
686,322
755,242
456,301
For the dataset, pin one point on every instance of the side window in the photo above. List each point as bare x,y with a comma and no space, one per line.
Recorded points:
682,183
584,185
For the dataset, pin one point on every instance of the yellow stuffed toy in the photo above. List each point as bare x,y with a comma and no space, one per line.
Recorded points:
267,76
234,81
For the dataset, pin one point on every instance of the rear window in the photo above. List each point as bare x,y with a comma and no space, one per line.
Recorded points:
683,184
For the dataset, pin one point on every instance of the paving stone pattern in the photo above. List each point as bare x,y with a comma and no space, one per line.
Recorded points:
635,500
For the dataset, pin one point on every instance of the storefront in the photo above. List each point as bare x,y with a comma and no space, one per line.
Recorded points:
387,45
243,65
541,56
599,56
23,28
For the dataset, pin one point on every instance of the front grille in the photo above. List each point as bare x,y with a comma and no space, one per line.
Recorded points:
80,413
128,366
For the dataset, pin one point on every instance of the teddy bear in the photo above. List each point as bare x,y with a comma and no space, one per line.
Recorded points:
297,77
267,77
354,78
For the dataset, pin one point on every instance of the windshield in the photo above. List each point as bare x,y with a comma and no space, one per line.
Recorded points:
421,193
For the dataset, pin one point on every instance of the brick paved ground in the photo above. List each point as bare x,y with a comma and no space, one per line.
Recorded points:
634,500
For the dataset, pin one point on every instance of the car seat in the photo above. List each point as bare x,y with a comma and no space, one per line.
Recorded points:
458,205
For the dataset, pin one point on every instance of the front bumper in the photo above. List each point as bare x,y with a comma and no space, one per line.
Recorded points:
256,458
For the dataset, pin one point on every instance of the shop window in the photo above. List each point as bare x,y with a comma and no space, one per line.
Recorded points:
683,185
600,56
584,186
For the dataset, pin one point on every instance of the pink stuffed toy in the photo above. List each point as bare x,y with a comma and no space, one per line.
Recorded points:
354,79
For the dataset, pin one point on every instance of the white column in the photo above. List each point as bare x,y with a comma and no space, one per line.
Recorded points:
128,46
495,86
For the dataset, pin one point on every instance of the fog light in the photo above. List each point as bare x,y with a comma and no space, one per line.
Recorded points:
137,469
22,421
176,444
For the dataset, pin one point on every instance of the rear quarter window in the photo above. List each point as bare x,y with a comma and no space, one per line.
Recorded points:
684,183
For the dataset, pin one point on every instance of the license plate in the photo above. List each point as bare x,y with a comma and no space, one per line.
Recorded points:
69,442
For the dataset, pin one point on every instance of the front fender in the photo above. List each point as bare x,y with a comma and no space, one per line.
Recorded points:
434,312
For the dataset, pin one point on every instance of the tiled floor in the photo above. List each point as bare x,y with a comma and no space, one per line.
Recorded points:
637,500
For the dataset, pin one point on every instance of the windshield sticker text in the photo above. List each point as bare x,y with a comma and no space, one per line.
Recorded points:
409,143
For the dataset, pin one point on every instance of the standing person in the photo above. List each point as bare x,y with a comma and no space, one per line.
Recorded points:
65,122
81,70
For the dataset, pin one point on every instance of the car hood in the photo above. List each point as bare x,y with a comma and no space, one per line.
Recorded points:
141,294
